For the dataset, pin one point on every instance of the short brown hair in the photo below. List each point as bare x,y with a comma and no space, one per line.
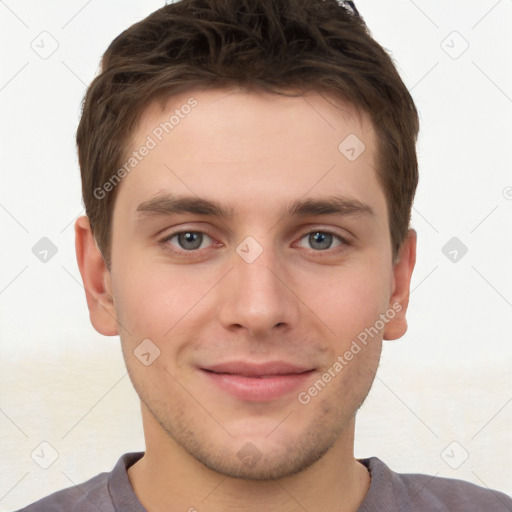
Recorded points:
272,45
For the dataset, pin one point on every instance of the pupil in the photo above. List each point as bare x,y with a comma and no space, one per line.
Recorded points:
190,240
323,239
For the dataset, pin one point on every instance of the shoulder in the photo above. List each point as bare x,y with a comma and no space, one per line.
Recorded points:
449,494
83,497
106,492
419,492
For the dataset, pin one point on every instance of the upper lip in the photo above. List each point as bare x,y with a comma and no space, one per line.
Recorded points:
247,369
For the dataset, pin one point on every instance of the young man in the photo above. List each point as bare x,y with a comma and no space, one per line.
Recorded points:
248,170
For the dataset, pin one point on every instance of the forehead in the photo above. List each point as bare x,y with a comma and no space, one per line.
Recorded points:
249,147
253,111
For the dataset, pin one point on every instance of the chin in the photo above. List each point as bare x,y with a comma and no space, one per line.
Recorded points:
261,454
265,464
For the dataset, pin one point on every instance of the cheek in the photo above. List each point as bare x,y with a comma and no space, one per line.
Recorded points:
349,299
150,299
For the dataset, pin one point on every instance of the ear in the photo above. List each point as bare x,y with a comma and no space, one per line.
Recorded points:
96,279
399,300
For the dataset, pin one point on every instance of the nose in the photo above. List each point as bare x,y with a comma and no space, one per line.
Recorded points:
257,296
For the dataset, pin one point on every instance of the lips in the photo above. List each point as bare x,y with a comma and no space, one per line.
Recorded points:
268,369
258,381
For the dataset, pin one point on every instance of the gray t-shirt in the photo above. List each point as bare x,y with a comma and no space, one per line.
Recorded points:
389,492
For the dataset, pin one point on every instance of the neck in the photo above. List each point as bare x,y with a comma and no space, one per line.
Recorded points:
167,474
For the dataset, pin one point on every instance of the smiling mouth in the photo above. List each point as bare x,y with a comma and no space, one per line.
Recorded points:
258,382
259,376
250,369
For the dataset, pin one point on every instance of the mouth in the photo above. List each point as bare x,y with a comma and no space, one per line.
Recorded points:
258,382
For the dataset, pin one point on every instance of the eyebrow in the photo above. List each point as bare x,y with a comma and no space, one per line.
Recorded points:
169,204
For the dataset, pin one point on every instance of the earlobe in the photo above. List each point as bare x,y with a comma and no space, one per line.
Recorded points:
96,279
399,300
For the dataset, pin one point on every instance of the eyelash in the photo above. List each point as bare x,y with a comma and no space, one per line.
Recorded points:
326,252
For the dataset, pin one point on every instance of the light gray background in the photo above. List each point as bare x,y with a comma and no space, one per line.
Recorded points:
442,401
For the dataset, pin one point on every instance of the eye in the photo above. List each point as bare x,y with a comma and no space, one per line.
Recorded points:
188,240
322,240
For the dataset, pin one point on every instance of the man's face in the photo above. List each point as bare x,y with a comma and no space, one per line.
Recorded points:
250,310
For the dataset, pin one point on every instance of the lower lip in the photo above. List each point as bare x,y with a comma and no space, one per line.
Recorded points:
258,389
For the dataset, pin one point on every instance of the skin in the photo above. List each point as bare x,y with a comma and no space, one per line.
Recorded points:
298,301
